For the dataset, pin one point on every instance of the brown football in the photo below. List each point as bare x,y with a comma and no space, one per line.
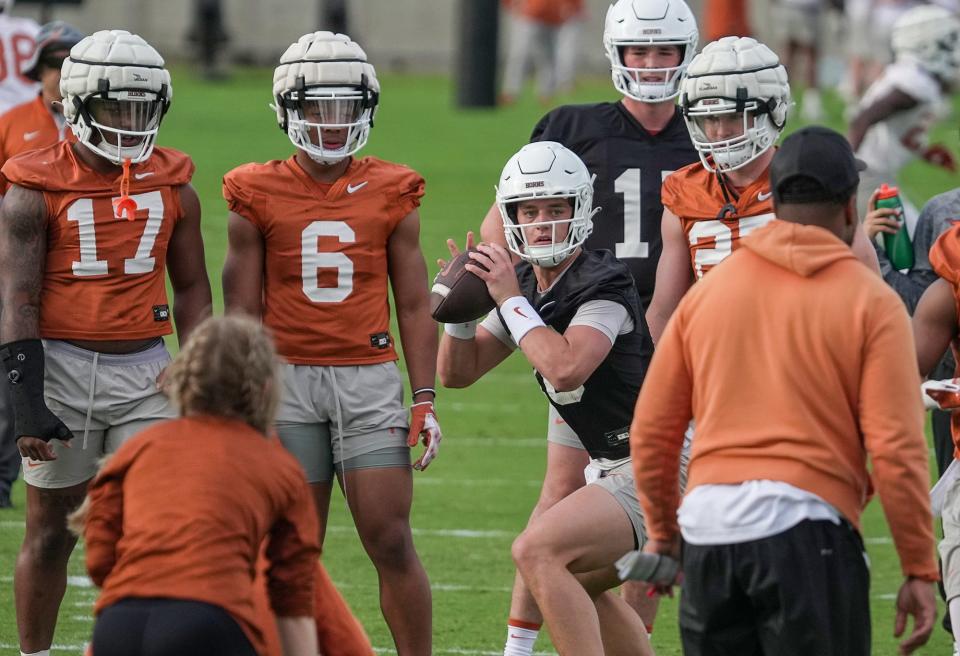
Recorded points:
458,295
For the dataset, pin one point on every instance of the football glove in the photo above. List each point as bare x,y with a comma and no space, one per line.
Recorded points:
940,155
23,360
652,568
423,421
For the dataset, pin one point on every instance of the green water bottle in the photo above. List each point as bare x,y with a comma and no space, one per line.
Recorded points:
898,246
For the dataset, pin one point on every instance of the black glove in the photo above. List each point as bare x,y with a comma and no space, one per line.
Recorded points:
23,360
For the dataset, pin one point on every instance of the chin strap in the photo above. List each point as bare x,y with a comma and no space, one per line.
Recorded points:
126,205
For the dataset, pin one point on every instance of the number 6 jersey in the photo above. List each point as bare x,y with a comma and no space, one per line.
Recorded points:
325,264
104,276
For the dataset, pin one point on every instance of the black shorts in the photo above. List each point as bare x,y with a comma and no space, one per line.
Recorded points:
168,627
798,593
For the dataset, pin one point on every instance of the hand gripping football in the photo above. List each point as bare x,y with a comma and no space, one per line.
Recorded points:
458,296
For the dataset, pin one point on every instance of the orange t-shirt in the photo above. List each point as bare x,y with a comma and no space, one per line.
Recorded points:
694,195
181,510
104,276
29,126
945,260
325,270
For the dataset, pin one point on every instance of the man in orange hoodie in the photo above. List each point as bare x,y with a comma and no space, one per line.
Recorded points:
796,361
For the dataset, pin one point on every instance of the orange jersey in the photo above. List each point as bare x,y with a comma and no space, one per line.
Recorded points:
325,270
181,511
104,276
945,260
694,195
29,126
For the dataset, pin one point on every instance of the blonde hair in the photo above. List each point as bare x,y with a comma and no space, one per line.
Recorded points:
228,368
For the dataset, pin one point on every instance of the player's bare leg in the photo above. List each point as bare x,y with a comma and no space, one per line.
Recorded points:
321,498
584,532
380,502
563,477
618,626
40,578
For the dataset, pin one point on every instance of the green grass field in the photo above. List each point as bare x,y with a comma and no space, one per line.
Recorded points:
476,497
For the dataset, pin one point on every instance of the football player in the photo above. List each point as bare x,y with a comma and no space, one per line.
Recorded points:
576,316
32,125
86,234
40,122
630,146
892,122
735,99
313,241
17,46
936,326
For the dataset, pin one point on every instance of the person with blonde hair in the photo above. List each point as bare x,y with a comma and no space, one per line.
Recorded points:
173,541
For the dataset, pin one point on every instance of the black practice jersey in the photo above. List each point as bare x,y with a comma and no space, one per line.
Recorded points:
601,410
630,165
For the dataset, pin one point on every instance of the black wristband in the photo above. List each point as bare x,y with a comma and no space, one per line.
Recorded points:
23,360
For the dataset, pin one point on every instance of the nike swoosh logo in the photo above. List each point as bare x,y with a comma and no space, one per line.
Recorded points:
141,176
30,136
351,188
517,310
764,196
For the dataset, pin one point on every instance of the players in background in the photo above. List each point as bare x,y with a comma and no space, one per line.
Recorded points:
892,122
86,233
544,32
800,23
576,316
155,522
630,146
40,122
313,242
17,45
735,100
29,126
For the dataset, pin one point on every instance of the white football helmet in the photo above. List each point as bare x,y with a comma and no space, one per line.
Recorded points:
115,93
324,84
546,169
649,23
930,36
737,77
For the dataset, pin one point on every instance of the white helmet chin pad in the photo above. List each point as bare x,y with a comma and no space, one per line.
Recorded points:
325,96
649,23
546,170
735,77
115,93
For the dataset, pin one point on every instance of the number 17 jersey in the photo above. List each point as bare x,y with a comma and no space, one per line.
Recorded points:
630,164
325,274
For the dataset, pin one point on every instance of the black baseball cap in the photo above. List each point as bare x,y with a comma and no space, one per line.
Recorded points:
824,158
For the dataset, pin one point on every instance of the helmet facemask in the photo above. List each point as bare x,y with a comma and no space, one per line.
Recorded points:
627,80
121,124
329,123
758,131
526,239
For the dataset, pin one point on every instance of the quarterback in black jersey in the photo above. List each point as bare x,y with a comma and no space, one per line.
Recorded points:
576,316
630,145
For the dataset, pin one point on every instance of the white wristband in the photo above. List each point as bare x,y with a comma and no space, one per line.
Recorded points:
466,330
520,317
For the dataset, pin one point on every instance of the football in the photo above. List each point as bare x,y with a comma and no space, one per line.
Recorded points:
458,295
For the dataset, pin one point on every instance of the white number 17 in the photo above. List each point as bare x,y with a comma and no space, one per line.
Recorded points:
628,184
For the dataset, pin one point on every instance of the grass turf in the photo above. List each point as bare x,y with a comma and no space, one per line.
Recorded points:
476,497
